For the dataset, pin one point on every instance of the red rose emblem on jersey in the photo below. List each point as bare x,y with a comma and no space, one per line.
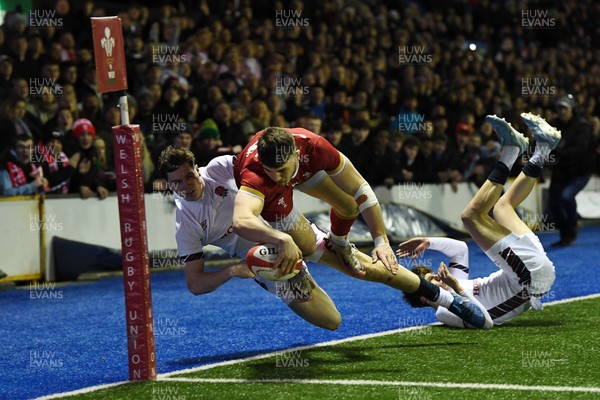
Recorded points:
221,191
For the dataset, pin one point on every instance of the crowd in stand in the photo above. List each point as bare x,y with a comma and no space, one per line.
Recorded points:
401,88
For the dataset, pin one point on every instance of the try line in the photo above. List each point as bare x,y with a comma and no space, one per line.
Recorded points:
364,382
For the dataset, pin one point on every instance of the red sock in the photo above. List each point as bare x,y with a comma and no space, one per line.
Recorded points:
340,226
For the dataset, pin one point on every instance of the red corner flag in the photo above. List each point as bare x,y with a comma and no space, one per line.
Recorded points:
109,54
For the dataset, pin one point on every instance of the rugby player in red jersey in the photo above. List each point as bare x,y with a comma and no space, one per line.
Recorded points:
276,161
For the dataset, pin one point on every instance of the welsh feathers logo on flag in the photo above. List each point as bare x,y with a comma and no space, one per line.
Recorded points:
109,54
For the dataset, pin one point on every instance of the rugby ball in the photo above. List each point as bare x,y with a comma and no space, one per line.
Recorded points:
261,258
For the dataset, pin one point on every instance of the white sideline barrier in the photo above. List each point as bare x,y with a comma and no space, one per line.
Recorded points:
96,221
437,200
20,237
588,200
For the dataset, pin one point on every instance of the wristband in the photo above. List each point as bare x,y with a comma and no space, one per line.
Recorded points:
379,240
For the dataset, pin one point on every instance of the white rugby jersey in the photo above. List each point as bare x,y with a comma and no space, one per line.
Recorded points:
209,219
499,293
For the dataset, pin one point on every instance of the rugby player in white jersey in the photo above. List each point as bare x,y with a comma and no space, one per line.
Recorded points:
205,200
525,272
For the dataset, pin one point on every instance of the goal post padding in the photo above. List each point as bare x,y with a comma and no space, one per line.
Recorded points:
134,243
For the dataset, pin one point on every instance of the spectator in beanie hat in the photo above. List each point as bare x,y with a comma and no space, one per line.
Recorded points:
206,145
85,180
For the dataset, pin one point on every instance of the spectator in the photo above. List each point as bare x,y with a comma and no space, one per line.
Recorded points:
333,134
18,176
356,147
411,166
144,117
85,181
395,152
317,102
445,166
12,123
6,75
57,167
463,153
574,166
206,146
230,133
313,123
105,174
380,159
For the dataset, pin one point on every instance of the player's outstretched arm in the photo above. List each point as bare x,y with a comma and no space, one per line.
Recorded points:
352,182
200,282
246,223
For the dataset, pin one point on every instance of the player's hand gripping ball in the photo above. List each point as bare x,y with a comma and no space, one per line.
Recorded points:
261,258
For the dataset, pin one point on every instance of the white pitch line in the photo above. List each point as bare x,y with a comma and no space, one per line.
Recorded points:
334,342
366,382
261,356
81,391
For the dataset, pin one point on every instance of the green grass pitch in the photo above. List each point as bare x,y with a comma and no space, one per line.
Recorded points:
555,348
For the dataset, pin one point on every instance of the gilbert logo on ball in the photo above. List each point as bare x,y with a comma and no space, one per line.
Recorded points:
261,258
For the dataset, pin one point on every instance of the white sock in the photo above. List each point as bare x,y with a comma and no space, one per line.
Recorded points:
510,155
445,299
541,154
339,240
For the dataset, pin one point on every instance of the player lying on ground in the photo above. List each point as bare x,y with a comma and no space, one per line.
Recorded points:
525,272
205,201
276,161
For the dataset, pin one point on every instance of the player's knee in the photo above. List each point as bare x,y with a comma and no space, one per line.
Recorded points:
347,210
307,248
500,205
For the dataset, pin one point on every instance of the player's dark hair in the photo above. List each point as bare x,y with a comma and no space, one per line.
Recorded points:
172,158
275,147
411,298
